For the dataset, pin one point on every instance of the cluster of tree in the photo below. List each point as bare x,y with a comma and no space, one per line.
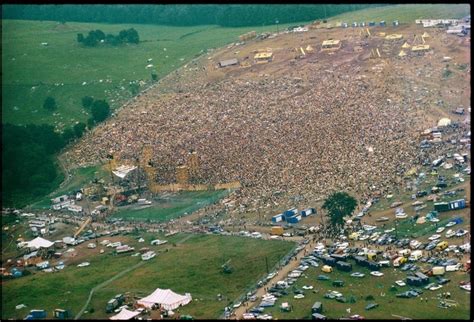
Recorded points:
28,156
29,168
339,205
99,109
181,15
98,36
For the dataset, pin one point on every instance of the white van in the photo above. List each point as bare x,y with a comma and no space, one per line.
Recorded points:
416,255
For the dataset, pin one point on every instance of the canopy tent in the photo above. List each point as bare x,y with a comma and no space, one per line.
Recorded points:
406,45
425,35
124,315
444,122
39,242
167,299
402,54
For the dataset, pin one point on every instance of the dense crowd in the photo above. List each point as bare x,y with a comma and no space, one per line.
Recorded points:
279,137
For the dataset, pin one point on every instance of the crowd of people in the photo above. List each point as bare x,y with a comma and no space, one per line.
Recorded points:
279,136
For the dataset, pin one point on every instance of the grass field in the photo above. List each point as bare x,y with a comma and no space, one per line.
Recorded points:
405,13
193,266
31,72
171,207
360,288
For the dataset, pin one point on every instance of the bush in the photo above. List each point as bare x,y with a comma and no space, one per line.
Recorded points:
49,103
100,110
87,101
369,298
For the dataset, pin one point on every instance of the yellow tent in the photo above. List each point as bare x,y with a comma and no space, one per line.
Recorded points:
309,48
425,35
402,54
406,45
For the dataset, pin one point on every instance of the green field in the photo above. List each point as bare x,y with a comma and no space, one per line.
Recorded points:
405,13
192,266
31,72
379,288
173,206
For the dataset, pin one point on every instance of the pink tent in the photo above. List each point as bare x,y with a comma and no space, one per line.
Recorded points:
167,299
124,315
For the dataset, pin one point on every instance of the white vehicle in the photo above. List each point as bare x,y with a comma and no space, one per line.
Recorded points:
83,264
238,304
148,255
307,287
414,244
450,233
453,268
466,287
287,234
116,244
298,296
435,287
105,242
357,274
256,235
440,229
401,215
435,237
368,227
415,255
158,242
450,224
461,232
389,230
91,245
270,276
400,283
363,237
376,273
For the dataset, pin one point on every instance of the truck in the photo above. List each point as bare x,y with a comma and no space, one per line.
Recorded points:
114,303
438,270
277,230
415,255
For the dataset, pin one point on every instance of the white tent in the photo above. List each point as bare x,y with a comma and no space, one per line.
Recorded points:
39,242
167,299
125,315
444,122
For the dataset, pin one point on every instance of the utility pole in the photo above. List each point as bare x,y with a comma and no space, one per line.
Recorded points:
276,21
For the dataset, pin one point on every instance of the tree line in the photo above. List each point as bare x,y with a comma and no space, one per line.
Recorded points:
29,153
181,15
98,36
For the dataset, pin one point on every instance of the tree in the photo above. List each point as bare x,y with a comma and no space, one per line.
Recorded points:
49,103
80,37
132,36
87,101
90,123
79,129
68,135
100,110
339,205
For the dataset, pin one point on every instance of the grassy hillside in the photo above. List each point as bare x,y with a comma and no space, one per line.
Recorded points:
31,72
406,13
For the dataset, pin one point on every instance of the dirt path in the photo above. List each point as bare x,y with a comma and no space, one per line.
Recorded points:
282,273
104,284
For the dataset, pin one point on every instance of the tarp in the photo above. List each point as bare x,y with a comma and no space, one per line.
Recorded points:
123,171
444,122
167,299
125,315
39,242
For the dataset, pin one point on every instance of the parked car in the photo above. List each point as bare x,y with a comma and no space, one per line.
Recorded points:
357,274
371,306
400,283
461,232
376,273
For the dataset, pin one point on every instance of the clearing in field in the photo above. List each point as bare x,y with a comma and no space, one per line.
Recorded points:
191,265
169,206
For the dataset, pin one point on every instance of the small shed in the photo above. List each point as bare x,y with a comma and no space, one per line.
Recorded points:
420,48
228,62
331,44
263,57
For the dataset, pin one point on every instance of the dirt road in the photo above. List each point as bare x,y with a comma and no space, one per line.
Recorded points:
282,273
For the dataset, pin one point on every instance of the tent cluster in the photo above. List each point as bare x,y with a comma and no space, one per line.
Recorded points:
167,299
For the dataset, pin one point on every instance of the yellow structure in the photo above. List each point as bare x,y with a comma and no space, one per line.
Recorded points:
405,45
83,225
309,49
263,57
381,34
394,37
182,174
193,163
331,44
425,35
277,230
402,53
420,48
